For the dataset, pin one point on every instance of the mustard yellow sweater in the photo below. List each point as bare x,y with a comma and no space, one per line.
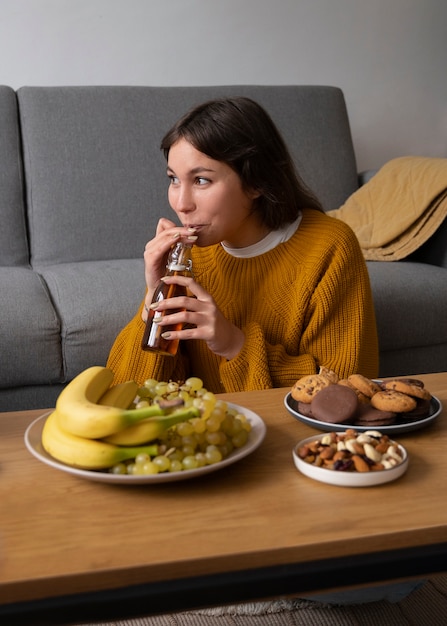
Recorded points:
303,304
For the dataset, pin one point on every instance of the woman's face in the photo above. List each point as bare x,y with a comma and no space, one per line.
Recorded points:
207,195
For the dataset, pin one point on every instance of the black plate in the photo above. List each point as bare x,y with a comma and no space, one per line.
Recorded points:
435,410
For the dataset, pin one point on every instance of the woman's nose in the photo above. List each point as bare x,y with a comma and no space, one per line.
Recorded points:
183,201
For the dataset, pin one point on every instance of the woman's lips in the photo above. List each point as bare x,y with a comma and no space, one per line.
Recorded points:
196,227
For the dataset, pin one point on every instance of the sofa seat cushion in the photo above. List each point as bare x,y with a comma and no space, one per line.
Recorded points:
29,332
410,301
94,300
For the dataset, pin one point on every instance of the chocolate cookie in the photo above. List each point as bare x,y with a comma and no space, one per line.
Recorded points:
305,409
367,415
422,410
335,404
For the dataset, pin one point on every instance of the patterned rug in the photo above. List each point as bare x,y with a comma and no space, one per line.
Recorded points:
426,606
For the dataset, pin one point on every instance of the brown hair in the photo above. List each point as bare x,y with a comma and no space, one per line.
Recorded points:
240,133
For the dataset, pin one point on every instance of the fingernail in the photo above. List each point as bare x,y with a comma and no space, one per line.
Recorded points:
176,235
153,306
192,238
192,229
166,335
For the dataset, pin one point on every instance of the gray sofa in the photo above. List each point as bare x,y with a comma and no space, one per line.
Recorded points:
82,185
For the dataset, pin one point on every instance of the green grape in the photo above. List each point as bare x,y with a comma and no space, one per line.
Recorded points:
226,449
175,455
185,428
142,458
188,450
119,468
150,383
240,439
161,389
213,423
198,424
235,428
194,383
201,459
144,392
184,395
221,405
172,387
162,462
190,462
141,404
216,438
176,466
189,440
213,455
149,468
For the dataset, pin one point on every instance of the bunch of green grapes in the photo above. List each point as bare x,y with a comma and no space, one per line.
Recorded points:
200,441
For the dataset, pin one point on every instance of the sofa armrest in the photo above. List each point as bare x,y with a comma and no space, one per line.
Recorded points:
365,176
433,251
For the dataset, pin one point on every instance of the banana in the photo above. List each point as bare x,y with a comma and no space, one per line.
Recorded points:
150,429
79,411
85,453
120,396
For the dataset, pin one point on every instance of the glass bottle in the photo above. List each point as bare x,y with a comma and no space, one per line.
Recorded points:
179,263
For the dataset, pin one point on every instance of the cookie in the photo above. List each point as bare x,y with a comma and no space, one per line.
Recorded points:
329,374
307,387
361,396
365,385
367,415
411,386
335,404
391,400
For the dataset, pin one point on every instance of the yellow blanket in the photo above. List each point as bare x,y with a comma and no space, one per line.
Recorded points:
395,212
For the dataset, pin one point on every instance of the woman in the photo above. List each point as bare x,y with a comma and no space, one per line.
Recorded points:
280,287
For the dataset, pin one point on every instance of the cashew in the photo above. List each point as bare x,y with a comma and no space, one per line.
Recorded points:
372,453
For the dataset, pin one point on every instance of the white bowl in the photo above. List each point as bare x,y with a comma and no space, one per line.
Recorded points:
348,479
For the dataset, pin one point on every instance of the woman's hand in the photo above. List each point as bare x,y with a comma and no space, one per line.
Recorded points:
203,318
157,250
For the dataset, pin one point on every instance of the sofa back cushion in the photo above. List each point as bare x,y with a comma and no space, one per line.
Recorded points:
96,178
13,241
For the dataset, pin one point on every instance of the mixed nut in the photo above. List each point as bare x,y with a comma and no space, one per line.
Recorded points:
351,451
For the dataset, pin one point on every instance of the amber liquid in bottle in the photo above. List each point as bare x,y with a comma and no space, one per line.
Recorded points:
179,264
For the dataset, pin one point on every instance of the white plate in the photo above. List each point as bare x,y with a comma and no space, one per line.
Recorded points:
435,410
348,479
33,441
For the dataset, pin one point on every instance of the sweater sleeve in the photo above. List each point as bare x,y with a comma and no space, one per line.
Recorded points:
258,364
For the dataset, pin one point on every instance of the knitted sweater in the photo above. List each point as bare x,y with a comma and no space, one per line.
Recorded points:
305,303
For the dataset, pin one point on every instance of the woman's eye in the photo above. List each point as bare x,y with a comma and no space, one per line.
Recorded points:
172,179
202,181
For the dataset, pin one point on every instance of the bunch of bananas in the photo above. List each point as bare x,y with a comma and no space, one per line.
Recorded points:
94,427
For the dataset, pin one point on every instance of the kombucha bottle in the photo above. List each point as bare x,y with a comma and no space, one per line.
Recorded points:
179,264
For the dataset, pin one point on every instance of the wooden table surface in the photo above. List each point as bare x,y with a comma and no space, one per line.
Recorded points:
62,535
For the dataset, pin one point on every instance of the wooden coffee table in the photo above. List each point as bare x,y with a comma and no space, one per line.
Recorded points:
72,549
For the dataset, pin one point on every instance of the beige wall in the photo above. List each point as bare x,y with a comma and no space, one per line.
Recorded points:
389,56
